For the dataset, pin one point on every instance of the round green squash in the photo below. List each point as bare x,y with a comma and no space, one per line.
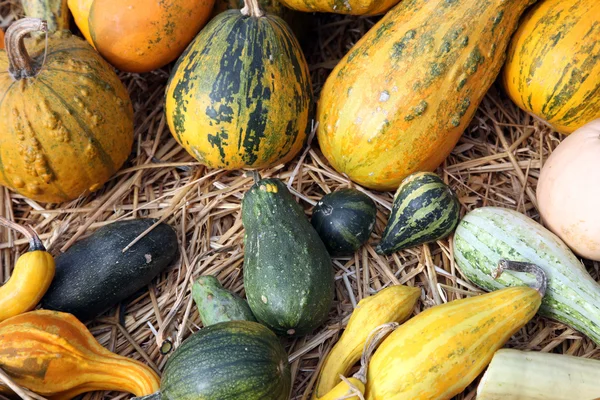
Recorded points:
240,95
344,220
234,360
425,209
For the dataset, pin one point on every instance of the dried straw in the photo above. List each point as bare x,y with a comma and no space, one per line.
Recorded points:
496,163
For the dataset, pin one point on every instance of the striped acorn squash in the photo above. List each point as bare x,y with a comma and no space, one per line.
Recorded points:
553,65
67,127
438,353
400,99
240,95
425,209
352,7
487,234
54,12
230,360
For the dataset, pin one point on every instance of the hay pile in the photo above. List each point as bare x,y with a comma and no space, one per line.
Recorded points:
496,163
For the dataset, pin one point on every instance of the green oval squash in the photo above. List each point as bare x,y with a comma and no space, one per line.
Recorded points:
288,274
240,95
425,209
95,274
236,360
216,304
344,220
488,234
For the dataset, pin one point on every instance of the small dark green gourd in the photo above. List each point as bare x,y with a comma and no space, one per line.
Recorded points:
425,209
288,275
217,304
344,220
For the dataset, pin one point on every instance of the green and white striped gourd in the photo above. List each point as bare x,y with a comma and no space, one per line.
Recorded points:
425,209
488,234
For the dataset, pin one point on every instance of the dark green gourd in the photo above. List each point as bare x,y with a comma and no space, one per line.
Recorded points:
217,304
95,274
235,360
344,220
288,275
425,209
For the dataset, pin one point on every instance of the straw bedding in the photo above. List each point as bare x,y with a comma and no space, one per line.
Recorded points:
496,163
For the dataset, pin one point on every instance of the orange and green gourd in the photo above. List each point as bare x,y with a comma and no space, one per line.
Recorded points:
66,119
399,101
553,65
53,354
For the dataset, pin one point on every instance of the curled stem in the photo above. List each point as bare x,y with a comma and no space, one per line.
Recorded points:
34,241
541,281
20,63
373,340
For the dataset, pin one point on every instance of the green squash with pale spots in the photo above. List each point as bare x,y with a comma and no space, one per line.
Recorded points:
288,275
344,220
425,209
240,95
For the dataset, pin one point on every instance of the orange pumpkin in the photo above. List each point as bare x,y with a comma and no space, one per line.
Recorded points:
1,39
140,35
67,125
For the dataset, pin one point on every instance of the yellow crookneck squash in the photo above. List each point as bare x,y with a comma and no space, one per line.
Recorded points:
54,12
393,304
351,7
438,353
553,65
399,101
53,354
30,279
67,125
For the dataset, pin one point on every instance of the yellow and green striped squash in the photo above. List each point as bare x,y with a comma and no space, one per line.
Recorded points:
398,102
438,353
240,95
553,65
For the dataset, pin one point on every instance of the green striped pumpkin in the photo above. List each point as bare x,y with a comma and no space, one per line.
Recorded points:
488,234
229,360
425,209
240,95
344,220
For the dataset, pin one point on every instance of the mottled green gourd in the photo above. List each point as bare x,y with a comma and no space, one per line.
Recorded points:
54,12
344,220
217,304
425,209
235,360
288,274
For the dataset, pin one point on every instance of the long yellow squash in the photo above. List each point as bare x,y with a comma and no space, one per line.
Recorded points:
30,278
392,304
400,99
438,353
553,65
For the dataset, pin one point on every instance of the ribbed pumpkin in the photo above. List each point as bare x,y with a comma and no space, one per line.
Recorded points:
54,12
352,7
399,101
67,126
553,65
140,36
239,97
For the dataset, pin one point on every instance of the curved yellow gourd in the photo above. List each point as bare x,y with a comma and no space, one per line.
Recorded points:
438,353
342,390
81,11
30,279
54,355
553,64
392,304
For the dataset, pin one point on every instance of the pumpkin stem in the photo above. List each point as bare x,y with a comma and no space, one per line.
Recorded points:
20,63
541,281
252,9
373,340
35,243
255,175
